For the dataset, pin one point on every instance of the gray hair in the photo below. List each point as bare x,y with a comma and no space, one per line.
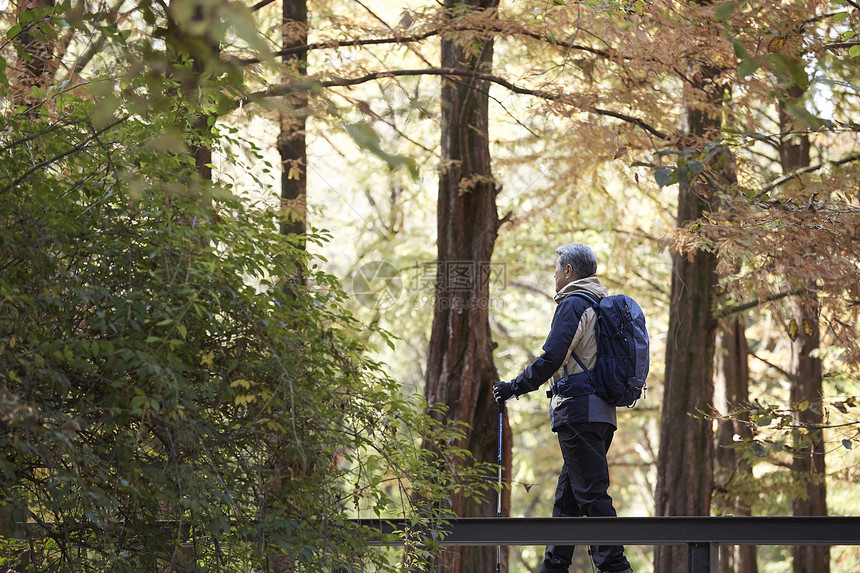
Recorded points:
580,257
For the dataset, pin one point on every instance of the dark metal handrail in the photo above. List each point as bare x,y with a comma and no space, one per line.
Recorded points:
701,534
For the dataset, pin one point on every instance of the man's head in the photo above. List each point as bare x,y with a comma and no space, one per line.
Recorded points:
575,261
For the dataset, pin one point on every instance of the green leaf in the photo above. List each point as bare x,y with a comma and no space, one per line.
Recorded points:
13,31
793,67
854,51
665,176
741,51
797,72
137,403
366,137
748,67
26,17
242,20
724,11
802,116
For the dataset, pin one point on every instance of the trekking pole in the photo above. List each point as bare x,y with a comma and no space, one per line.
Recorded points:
499,498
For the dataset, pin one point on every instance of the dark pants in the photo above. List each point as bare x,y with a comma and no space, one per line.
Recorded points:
581,491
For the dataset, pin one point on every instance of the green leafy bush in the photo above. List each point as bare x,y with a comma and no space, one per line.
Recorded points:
168,398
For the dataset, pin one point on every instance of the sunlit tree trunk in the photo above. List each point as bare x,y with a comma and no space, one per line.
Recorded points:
685,458
733,473
460,370
808,465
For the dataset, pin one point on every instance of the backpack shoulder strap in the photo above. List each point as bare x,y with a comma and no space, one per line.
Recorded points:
570,353
593,299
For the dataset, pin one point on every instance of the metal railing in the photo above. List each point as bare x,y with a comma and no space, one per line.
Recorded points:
701,535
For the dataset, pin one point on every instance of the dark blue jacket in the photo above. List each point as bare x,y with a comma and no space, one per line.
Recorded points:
572,395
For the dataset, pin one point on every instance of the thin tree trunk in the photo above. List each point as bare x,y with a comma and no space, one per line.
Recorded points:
808,466
202,51
733,473
460,371
40,65
291,139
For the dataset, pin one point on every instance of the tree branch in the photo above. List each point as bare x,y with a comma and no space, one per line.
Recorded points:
730,310
455,73
332,44
96,45
261,4
636,121
836,45
809,169
66,153
771,364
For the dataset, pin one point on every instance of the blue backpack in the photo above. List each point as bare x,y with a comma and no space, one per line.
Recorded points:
622,362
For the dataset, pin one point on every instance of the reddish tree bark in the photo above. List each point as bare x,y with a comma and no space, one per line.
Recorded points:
685,459
460,371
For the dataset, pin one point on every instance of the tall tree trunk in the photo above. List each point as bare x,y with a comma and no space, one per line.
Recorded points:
808,465
732,472
460,370
291,139
292,149
685,458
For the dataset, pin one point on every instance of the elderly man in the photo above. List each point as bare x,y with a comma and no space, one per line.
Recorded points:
583,422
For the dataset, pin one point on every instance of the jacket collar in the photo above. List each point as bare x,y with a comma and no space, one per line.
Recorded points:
591,285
